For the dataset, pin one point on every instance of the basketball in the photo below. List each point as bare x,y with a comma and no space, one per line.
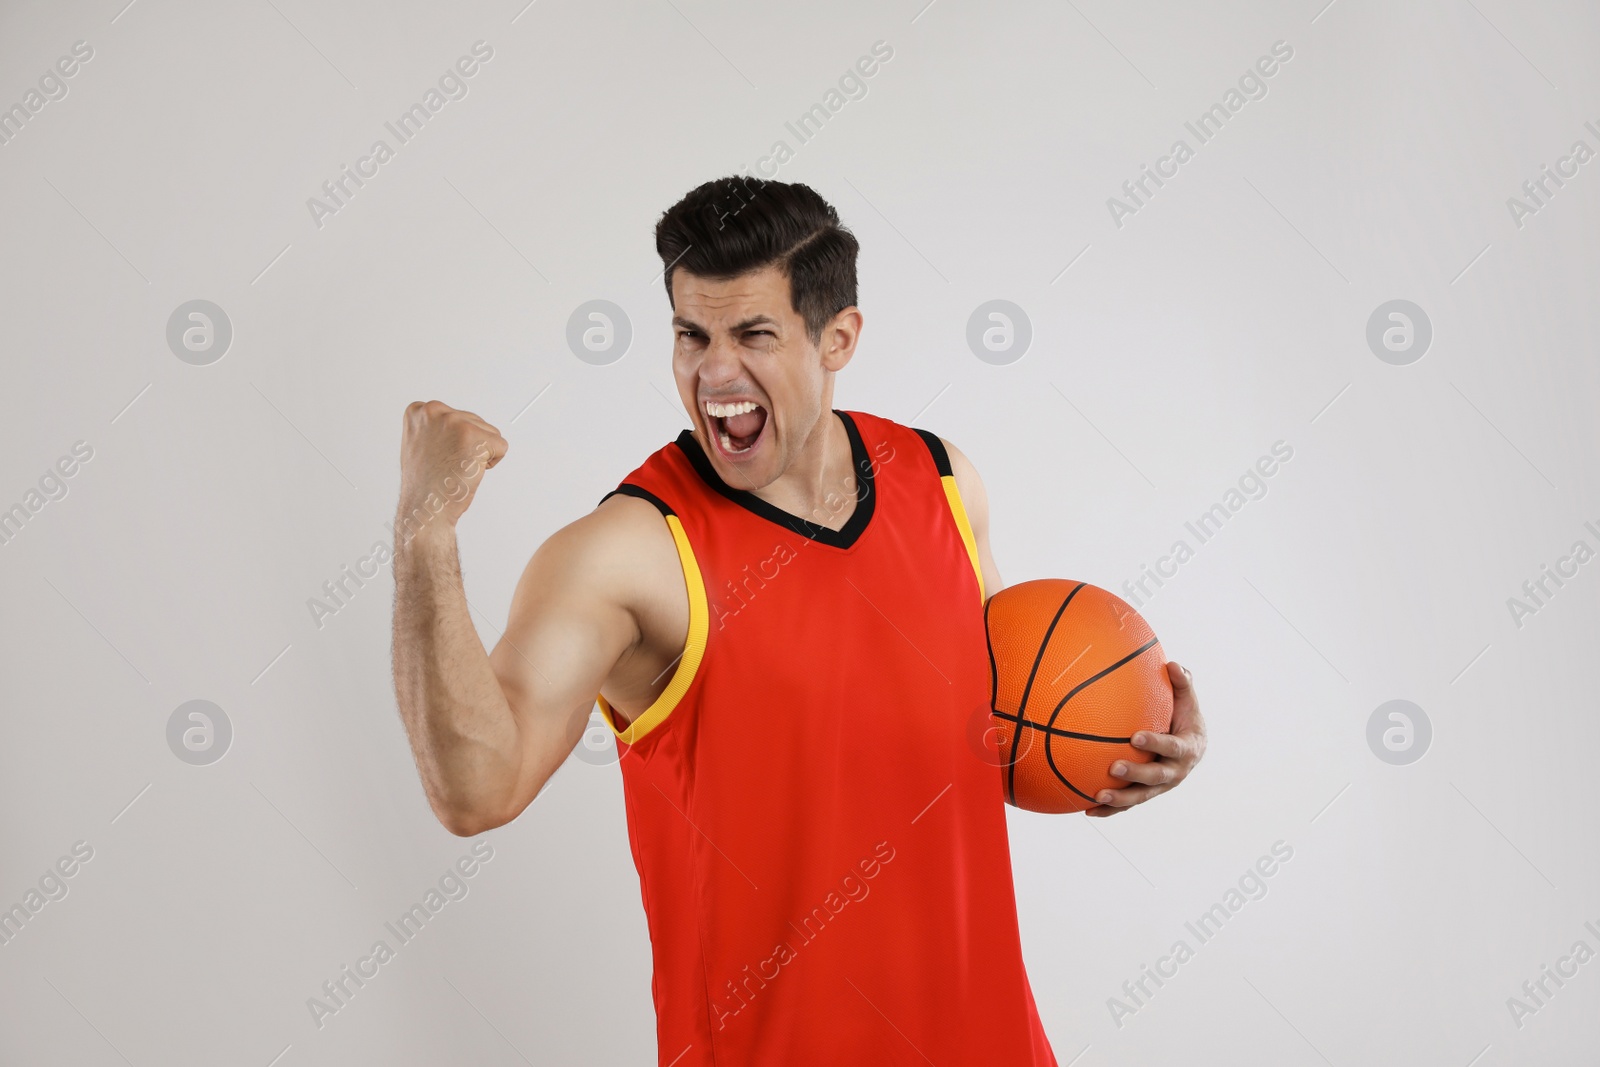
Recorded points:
1074,674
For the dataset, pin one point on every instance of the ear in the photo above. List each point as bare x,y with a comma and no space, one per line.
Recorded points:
839,338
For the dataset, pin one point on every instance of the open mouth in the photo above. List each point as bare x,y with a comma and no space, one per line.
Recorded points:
736,427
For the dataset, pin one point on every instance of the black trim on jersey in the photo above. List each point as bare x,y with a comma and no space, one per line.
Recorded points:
626,489
994,673
866,494
941,458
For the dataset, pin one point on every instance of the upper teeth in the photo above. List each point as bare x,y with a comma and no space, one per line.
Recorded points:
723,411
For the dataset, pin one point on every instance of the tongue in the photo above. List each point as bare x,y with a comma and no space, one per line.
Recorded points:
747,425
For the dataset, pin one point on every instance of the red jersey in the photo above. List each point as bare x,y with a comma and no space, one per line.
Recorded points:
822,851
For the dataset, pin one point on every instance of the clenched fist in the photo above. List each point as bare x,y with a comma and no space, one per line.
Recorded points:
443,454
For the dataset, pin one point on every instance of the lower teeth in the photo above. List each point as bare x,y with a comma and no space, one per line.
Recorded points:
727,445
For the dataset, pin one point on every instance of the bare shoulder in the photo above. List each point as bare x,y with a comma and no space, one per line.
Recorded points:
638,567
601,601
621,549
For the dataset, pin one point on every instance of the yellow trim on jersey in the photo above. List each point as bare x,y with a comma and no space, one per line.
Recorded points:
693,649
953,495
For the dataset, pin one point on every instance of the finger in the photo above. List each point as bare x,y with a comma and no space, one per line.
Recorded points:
1134,794
1153,773
1168,745
1100,811
491,446
413,418
480,422
1182,685
1180,677
1188,724
1185,702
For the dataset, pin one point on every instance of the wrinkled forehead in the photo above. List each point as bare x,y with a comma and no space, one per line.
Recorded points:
729,303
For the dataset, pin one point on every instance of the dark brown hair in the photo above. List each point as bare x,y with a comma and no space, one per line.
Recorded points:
735,225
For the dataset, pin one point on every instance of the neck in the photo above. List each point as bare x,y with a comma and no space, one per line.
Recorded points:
820,485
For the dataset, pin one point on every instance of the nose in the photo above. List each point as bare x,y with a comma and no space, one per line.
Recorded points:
719,363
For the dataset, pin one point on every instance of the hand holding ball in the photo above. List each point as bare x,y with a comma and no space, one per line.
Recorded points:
1075,673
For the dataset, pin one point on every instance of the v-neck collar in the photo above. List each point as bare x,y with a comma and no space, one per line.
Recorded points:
866,494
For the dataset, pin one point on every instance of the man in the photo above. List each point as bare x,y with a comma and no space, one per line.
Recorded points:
782,615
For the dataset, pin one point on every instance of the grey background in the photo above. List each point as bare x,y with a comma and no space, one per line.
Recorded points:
1167,356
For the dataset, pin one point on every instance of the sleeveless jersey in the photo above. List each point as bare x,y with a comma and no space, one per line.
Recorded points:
820,839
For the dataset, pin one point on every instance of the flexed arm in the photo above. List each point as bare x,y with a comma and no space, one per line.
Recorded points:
489,729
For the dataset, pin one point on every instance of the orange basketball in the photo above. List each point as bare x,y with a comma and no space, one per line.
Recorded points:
1075,674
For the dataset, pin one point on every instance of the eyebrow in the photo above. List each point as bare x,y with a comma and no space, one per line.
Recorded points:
738,327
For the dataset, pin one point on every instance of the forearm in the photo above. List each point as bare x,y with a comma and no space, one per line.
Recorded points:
462,730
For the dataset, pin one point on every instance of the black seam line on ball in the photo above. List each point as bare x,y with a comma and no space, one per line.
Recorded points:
1027,690
994,676
1056,731
1066,782
1050,757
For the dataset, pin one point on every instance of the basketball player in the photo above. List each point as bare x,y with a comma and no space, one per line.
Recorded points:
781,613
